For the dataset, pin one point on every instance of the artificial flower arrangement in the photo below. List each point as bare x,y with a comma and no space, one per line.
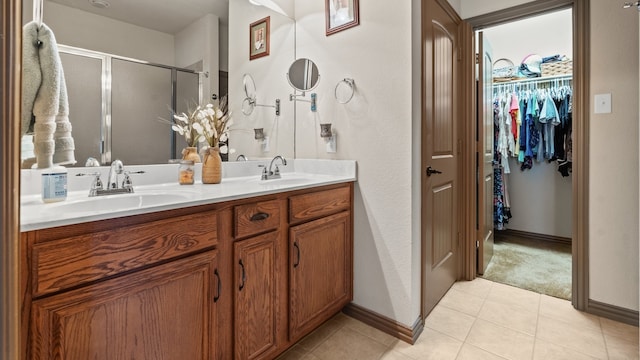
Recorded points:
208,124
213,122
186,125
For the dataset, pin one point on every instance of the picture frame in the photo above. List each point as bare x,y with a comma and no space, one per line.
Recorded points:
259,38
341,15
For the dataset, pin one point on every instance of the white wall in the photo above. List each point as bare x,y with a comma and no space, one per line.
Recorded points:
471,8
106,35
269,73
541,199
375,129
199,42
613,163
545,35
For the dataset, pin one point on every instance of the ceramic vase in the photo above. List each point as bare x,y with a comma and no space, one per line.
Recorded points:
191,153
212,166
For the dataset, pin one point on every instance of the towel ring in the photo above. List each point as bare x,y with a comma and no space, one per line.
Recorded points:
344,90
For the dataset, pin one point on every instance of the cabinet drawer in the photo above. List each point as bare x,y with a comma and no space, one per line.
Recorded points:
73,261
256,218
318,204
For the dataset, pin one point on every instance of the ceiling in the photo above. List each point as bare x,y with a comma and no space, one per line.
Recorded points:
168,16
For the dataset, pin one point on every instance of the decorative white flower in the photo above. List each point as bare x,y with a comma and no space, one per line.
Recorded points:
214,120
208,123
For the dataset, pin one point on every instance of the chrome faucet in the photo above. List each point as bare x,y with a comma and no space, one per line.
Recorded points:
116,169
112,185
273,174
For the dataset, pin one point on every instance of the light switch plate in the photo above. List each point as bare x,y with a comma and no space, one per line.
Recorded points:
265,145
602,103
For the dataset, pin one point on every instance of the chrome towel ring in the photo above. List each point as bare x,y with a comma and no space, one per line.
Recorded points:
345,90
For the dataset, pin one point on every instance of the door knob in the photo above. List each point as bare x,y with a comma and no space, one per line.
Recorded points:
431,171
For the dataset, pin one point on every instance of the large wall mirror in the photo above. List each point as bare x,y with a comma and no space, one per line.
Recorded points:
157,53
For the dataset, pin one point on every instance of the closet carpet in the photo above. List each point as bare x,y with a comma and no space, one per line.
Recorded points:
536,265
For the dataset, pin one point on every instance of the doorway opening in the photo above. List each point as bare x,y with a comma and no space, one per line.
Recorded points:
525,189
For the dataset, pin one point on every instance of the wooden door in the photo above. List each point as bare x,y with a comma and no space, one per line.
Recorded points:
440,151
320,271
144,315
257,297
484,153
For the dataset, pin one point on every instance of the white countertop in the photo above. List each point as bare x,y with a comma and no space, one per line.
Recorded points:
158,190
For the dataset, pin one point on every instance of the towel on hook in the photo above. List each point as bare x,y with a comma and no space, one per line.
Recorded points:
45,96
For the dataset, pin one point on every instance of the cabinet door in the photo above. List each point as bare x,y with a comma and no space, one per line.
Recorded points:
165,312
320,271
257,297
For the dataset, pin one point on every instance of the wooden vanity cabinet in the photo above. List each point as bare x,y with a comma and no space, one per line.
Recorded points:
321,261
140,287
243,279
164,312
259,280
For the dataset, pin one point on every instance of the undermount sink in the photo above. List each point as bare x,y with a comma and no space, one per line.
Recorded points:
119,202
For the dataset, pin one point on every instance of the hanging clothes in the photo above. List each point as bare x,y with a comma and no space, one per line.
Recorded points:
531,125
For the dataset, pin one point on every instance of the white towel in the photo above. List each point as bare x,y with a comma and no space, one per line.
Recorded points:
42,70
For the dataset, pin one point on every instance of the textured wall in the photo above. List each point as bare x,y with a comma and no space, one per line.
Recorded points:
375,129
269,73
613,162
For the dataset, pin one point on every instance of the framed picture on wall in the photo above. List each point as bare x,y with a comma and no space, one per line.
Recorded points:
341,15
259,38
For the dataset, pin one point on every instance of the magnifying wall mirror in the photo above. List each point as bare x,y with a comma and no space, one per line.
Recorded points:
303,75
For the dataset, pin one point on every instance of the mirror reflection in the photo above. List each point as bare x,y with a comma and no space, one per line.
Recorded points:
268,77
303,75
176,55
249,102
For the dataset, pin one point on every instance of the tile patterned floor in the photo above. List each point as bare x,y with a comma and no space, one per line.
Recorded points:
480,320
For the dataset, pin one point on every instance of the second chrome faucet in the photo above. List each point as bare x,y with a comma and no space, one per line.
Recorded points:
270,173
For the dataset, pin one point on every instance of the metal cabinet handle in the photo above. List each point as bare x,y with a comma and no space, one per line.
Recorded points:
244,275
431,171
297,262
259,216
217,297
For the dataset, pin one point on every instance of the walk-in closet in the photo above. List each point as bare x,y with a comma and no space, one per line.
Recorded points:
531,96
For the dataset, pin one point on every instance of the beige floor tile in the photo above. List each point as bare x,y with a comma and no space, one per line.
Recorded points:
516,297
479,287
619,330
450,322
470,352
349,344
462,301
561,309
544,350
314,339
432,345
508,343
295,353
341,318
621,349
369,331
310,357
582,339
391,354
509,316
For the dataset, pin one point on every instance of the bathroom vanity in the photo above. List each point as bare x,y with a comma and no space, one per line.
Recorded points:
239,270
